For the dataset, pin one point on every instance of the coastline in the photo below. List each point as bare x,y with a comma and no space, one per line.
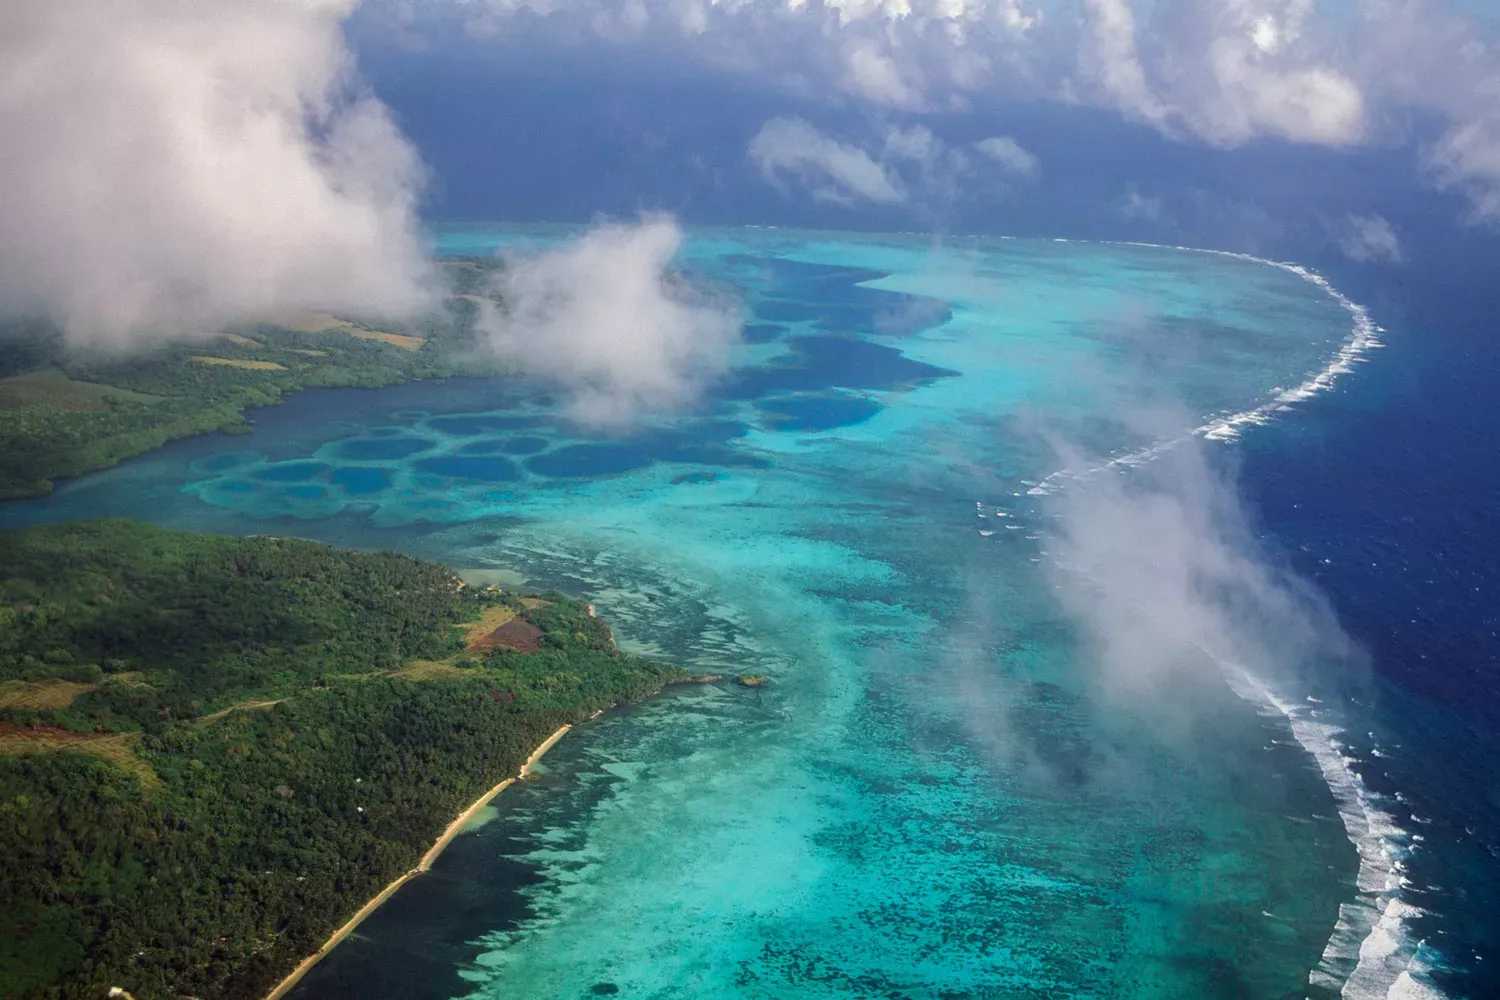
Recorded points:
453,829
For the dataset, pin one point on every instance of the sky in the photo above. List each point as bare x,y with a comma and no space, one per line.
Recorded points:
175,165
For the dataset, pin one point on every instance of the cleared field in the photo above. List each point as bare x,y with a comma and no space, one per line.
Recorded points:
492,619
400,340
309,352
260,366
426,670
314,322
235,338
517,634
117,748
50,387
41,695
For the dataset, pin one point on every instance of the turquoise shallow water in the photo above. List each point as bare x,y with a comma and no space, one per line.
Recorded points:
933,798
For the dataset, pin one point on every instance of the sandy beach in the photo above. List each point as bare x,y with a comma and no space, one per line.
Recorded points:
431,856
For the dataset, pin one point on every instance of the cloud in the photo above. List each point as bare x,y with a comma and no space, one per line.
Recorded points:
1010,154
1110,56
1428,56
835,171
874,75
168,166
1226,71
1370,239
1140,208
1163,575
1223,72
607,318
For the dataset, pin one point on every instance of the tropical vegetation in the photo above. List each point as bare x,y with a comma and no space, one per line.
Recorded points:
214,750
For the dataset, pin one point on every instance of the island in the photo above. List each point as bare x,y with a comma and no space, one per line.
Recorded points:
215,751
66,410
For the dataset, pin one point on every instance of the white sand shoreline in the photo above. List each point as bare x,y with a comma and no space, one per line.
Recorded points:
453,830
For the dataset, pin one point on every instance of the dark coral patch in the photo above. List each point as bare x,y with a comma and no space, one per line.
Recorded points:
485,469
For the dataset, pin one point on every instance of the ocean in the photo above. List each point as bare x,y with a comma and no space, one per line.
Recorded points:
1014,527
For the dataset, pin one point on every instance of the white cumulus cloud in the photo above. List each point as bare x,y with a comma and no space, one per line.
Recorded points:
833,170
1224,72
1371,239
173,165
1010,154
609,319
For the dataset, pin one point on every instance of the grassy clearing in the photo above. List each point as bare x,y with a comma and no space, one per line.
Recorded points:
260,366
427,670
235,338
117,748
309,352
41,695
492,619
315,322
50,387
401,340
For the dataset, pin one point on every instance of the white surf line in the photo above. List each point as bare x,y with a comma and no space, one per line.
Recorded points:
1364,336
1370,955
1371,931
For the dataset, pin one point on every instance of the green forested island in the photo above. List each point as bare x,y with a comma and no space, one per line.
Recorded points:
214,750
65,410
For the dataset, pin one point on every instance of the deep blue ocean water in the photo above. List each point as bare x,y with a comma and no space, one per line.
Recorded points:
1384,493
939,794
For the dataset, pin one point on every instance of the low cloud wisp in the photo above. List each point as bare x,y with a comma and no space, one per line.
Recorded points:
1161,571
834,171
170,166
608,319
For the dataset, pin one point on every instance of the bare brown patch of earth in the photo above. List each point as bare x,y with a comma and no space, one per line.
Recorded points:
517,634
492,619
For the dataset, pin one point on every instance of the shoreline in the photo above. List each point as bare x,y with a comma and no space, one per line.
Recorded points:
449,833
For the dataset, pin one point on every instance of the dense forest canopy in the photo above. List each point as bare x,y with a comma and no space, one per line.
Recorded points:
213,750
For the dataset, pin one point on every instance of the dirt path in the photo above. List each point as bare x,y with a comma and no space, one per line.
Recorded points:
247,706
